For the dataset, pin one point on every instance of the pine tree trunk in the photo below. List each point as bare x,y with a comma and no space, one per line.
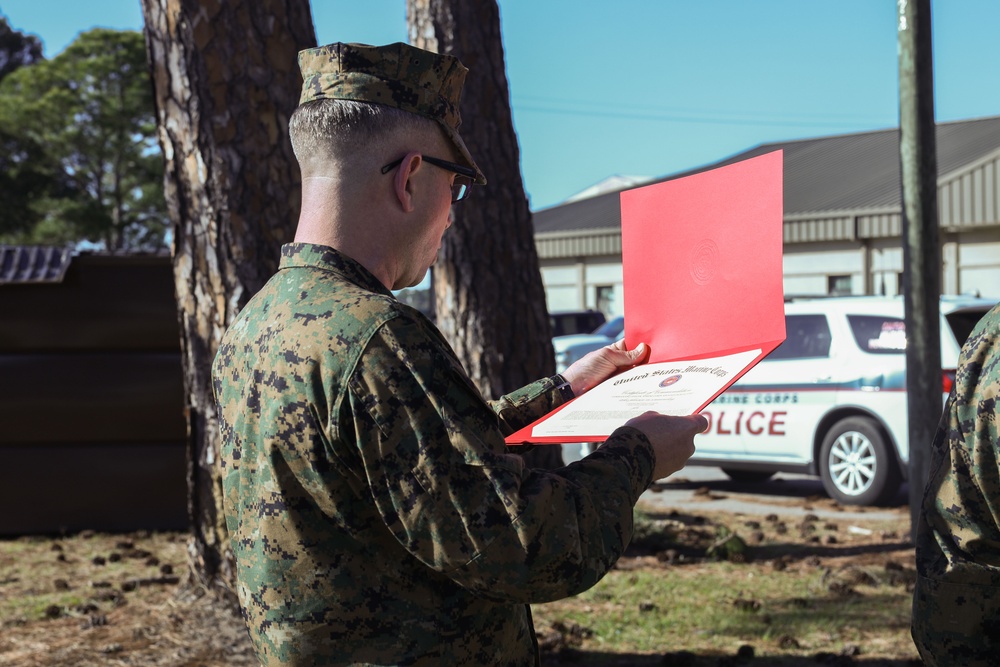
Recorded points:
489,297
226,81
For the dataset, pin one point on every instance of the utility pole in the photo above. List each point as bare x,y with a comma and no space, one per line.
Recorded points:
922,248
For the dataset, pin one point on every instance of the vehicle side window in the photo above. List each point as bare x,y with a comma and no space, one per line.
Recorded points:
878,335
806,336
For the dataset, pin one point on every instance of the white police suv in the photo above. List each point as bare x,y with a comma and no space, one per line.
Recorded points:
831,400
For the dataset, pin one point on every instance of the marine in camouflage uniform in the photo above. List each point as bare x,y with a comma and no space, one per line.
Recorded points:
956,603
375,513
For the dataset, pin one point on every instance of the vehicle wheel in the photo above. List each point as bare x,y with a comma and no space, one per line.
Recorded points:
749,476
856,464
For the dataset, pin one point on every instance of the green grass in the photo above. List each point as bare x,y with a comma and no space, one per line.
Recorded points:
37,573
712,608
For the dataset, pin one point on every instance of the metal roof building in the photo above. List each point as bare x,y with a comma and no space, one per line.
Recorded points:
33,264
842,219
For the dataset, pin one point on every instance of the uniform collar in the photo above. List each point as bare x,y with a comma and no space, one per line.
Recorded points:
325,258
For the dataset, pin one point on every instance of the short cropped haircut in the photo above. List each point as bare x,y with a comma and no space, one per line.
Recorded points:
337,131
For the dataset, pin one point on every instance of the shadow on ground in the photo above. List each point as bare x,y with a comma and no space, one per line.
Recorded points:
796,487
744,657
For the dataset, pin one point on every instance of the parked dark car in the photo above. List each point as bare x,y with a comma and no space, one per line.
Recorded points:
575,321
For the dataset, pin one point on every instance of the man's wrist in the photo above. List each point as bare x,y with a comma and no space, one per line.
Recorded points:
564,388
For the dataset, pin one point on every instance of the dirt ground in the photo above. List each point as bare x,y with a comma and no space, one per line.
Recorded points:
98,599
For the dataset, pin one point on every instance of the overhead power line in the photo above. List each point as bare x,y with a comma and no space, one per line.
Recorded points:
573,108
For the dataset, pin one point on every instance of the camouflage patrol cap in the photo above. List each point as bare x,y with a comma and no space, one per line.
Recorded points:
397,75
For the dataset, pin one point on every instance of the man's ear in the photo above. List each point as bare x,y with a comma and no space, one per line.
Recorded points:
403,180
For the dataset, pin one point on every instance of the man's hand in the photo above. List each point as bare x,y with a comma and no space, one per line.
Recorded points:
599,365
672,438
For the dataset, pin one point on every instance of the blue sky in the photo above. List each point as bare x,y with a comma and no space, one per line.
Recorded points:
649,88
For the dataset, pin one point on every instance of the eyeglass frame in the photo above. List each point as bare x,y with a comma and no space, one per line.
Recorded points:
459,169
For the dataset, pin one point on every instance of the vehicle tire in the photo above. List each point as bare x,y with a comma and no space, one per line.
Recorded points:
748,476
856,463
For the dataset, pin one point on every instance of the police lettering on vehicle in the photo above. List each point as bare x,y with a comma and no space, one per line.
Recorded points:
750,422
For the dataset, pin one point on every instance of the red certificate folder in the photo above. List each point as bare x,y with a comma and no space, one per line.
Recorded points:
702,281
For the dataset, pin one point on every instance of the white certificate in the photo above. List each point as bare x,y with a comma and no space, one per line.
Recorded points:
672,388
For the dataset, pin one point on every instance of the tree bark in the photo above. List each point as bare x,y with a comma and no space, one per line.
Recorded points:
226,81
489,299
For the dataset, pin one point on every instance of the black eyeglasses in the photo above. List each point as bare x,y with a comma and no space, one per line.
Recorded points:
462,186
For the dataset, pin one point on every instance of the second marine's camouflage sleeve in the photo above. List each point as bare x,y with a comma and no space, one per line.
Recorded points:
956,603
453,497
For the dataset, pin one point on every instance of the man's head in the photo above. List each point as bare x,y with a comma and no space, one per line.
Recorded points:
382,91
382,162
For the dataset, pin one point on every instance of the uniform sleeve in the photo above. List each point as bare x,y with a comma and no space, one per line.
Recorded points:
445,487
528,404
956,602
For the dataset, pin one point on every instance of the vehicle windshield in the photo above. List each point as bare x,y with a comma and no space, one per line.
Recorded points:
878,335
611,328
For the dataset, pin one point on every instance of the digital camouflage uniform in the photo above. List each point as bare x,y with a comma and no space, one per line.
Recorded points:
956,603
375,513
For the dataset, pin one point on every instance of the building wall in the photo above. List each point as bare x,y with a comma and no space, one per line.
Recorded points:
563,285
805,274
970,265
584,283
